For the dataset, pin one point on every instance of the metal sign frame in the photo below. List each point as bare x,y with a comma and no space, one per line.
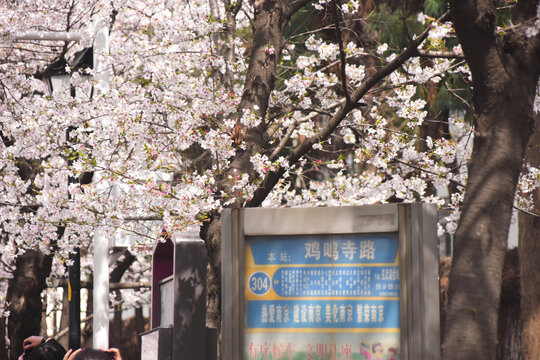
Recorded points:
181,260
416,225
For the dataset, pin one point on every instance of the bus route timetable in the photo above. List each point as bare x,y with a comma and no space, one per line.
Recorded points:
305,293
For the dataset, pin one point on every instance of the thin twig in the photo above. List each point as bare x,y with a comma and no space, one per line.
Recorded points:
440,54
337,19
283,142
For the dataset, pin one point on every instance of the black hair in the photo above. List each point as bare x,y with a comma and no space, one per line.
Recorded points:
51,350
375,345
92,354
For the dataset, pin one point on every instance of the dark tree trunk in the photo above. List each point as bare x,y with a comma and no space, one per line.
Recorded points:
141,323
481,239
117,332
509,332
24,298
87,333
529,252
3,345
504,74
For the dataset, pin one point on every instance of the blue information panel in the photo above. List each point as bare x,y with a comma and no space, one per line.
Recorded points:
322,297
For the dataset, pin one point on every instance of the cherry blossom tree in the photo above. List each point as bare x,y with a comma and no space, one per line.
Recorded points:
211,105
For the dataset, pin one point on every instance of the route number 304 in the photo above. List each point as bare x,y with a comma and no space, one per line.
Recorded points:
259,283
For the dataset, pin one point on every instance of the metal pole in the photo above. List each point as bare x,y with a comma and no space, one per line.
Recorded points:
101,48
74,288
101,291
101,244
74,273
48,35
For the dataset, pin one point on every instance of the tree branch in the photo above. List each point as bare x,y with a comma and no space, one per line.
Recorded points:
440,54
231,10
64,331
296,5
283,142
272,177
112,286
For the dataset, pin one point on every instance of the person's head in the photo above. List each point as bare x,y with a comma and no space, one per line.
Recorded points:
377,348
51,350
92,354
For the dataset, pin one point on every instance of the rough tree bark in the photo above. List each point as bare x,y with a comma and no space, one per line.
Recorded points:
529,252
24,298
30,273
509,329
505,72
117,333
3,345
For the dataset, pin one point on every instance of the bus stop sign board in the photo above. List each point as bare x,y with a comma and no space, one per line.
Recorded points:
321,296
344,283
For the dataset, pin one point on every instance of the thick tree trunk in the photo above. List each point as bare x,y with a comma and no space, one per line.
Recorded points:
509,329
117,333
504,83
529,252
123,334
24,298
3,345
481,240
141,323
